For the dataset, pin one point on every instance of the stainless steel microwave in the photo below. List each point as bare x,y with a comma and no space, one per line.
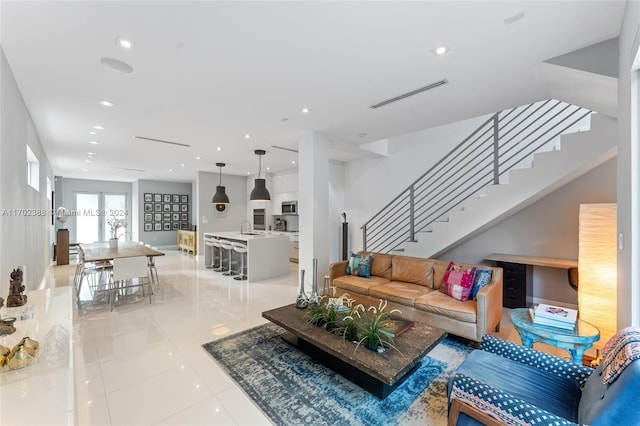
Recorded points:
289,207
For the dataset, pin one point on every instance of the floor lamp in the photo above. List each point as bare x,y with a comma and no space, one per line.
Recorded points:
597,268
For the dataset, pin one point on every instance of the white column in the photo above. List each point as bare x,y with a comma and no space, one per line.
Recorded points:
313,202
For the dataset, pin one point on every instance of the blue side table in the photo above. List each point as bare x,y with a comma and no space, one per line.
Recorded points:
575,341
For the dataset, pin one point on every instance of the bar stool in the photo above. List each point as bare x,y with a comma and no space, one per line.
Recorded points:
216,243
228,246
210,243
242,249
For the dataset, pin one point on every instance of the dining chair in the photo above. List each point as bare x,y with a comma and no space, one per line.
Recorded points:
130,273
97,275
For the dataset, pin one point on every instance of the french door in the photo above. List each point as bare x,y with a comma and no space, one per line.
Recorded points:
93,210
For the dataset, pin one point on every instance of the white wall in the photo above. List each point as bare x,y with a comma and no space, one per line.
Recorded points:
372,183
628,173
548,228
24,239
236,212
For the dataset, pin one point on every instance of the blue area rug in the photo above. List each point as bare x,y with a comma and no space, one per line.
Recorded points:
291,389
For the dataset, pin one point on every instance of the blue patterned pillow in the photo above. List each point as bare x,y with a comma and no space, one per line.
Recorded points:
360,265
481,278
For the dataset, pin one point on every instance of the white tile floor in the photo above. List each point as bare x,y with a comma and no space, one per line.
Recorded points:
143,364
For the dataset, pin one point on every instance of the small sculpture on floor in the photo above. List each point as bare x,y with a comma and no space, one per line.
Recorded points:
16,298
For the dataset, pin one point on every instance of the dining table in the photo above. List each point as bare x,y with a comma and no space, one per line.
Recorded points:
103,252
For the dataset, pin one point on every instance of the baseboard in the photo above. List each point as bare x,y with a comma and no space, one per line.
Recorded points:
538,300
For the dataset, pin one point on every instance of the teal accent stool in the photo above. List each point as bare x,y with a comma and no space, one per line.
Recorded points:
576,341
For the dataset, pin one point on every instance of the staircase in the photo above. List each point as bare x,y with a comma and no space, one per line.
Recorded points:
511,161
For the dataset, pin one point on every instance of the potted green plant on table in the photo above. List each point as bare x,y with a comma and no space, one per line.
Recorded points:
371,331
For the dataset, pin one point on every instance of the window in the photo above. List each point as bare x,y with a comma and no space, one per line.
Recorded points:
33,170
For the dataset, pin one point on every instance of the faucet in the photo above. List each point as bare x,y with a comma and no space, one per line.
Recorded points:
248,225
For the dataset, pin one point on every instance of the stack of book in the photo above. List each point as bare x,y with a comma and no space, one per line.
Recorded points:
555,316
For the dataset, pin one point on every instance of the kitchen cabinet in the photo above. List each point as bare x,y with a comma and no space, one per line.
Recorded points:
294,245
285,182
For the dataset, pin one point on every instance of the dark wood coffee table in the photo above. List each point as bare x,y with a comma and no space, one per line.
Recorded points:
378,373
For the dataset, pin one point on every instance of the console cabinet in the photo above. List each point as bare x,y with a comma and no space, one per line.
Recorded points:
187,241
516,284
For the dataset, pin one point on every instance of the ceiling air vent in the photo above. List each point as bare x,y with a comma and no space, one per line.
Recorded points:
284,148
128,169
413,92
161,141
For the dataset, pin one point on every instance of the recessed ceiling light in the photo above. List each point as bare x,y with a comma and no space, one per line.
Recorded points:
93,142
268,168
98,127
170,170
84,170
305,110
248,173
124,43
440,50
247,136
197,158
106,103
91,153
293,161
92,132
87,161
219,149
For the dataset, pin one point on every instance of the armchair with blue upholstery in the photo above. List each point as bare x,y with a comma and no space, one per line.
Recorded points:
504,383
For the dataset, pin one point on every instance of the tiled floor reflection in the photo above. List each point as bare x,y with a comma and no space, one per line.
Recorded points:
143,364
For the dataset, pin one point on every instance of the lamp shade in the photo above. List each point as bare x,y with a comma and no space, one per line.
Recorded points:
260,192
597,268
220,197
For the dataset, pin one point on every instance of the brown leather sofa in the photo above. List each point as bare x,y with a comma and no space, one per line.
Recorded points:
415,282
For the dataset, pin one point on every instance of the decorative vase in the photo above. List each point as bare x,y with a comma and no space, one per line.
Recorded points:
302,300
113,243
314,289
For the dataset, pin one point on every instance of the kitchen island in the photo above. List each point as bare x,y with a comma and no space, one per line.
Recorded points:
267,255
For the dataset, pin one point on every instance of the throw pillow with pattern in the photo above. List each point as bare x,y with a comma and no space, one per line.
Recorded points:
621,350
360,265
481,278
457,281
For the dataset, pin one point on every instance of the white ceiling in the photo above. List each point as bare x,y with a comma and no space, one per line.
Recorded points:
206,73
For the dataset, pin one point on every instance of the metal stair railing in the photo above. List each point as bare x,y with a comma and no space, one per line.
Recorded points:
507,140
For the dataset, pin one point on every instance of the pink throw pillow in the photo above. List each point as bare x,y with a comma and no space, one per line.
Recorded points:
457,281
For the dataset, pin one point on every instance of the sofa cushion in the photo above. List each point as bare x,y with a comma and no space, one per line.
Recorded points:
555,394
458,280
441,304
413,270
439,269
360,265
620,351
381,265
356,284
399,292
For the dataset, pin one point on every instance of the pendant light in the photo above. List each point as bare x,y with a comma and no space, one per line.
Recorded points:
220,197
260,192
